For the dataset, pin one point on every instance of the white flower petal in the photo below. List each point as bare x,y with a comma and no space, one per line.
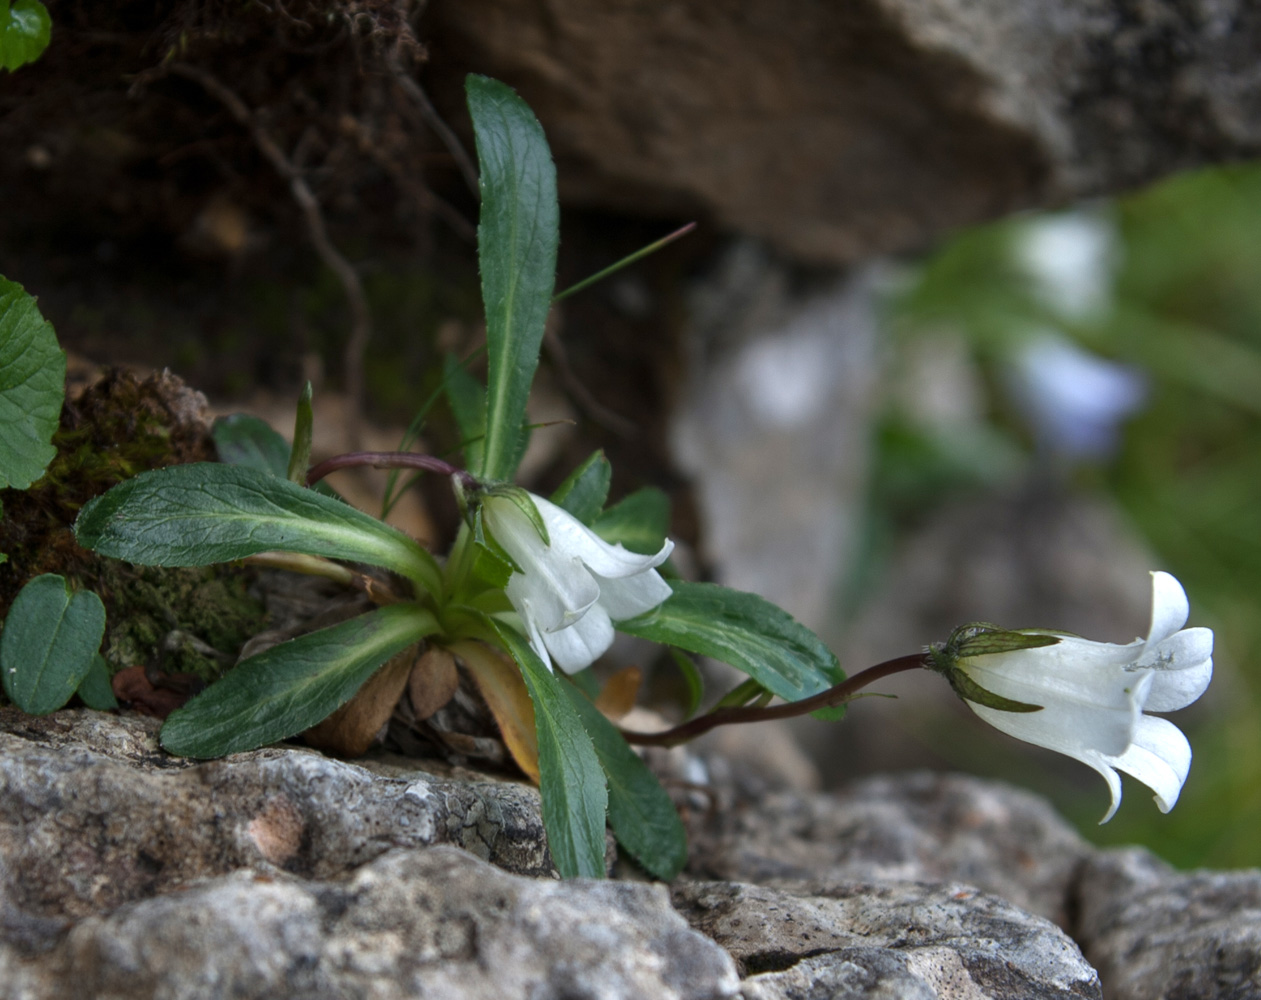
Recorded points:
1074,730
1159,757
1100,763
582,643
632,595
1175,689
559,591
570,535
1170,608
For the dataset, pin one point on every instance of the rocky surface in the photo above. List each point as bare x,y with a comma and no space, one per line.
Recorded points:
914,827
434,924
1154,932
125,872
906,939
838,131
93,814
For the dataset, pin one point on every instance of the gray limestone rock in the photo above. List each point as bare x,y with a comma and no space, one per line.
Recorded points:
824,939
434,924
915,827
93,814
1158,934
842,130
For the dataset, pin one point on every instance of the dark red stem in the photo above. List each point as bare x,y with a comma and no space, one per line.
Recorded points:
385,460
830,698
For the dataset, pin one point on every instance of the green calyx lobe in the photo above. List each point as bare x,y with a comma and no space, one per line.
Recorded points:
983,639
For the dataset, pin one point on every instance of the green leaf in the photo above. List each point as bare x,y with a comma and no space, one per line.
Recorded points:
32,387
643,818
25,30
640,521
244,440
195,515
303,426
584,491
517,235
48,643
95,689
692,678
293,686
746,631
467,399
575,799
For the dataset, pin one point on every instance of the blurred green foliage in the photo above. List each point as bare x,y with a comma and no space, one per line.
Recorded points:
1185,307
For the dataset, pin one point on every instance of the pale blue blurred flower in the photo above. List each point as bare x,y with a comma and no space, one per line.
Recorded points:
1074,400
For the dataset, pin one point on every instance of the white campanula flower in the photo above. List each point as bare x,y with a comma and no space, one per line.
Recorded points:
570,587
1087,699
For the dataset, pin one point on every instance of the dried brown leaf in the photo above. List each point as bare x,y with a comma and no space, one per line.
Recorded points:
433,681
501,685
350,730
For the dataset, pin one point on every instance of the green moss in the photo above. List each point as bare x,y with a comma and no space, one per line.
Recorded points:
156,611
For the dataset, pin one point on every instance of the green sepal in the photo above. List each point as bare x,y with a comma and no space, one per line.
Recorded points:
521,499
983,639
969,690
584,491
493,565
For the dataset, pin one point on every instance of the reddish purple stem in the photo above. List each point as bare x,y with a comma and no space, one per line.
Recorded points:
385,460
830,698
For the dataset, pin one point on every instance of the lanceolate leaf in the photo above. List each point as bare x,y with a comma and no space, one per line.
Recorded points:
303,427
517,234
746,631
571,780
293,686
468,404
32,386
194,515
49,642
644,819
584,491
639,521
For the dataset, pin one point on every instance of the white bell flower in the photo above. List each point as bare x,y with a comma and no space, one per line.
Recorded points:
571,588
1086,699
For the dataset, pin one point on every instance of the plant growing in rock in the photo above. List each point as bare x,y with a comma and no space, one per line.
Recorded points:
532,584
52,634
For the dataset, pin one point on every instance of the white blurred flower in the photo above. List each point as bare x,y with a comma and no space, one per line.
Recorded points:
571,588
1071,258
1086,699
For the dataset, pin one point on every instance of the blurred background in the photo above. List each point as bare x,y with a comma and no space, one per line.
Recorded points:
1068,400
867,399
